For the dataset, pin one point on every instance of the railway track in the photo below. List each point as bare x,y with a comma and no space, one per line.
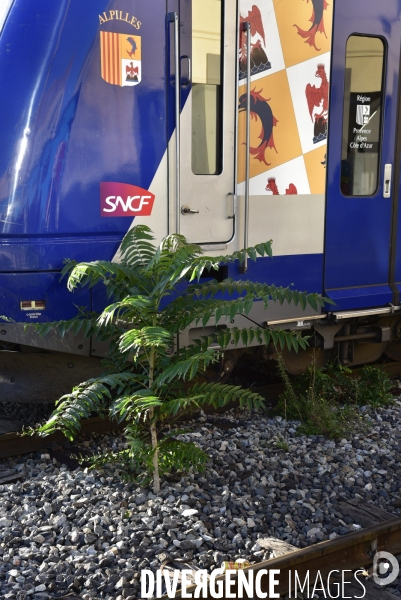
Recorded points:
392,368
345,555
13,444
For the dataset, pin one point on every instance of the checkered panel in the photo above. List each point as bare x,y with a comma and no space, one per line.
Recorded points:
290,67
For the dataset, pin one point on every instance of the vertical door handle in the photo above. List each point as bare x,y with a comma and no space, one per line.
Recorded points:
234,201
247,28
173,18
186,80
387,181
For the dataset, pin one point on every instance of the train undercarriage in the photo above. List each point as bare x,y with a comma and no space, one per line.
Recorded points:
50,366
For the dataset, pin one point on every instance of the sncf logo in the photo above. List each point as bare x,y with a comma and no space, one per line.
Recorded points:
124,200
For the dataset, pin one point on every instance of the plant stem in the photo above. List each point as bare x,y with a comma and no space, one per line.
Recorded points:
153,428
156,474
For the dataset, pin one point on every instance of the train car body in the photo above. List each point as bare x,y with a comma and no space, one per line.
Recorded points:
229,123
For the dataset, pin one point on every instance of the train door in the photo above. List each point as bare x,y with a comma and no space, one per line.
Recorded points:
202,159
361,195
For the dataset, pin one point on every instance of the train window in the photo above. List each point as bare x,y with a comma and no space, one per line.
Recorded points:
363,106
207,120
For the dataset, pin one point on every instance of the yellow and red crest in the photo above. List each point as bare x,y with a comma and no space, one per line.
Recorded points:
120,56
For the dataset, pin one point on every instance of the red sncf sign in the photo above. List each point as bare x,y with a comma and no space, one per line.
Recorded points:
124,200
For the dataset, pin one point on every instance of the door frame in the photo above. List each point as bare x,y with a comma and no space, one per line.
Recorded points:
377,247
188,182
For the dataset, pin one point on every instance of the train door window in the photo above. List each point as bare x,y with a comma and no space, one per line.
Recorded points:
207,121
363,107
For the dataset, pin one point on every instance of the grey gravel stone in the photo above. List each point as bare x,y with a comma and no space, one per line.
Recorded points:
68,530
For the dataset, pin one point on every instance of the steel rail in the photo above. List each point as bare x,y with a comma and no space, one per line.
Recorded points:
14,444
348,552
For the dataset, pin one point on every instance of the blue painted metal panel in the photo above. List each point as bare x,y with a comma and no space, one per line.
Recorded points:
60,303
184,10
48,254
65,129
303,271
357,236
363,297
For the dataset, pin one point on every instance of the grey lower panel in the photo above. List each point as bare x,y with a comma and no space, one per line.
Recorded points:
17,333
43,376
292,317
259,316
280,312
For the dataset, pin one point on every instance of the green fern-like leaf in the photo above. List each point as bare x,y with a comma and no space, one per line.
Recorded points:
147,337
186,369
182,456
85,324
92,396
213,394
90,274
258,291
155,293
131,309
136,248
135,407
224,338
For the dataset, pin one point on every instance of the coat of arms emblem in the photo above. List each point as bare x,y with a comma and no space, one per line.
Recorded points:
120,56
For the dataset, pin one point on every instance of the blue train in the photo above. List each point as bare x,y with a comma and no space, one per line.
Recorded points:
231,123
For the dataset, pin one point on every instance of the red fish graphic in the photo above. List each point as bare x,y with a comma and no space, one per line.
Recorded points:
260,108
317,20
133,46
272,187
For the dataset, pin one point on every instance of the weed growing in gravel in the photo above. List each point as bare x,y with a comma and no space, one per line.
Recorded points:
281,444
339,384
372,386
325,400
318,415
157,293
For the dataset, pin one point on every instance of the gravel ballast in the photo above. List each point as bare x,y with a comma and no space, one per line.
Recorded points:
66,529
27,413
